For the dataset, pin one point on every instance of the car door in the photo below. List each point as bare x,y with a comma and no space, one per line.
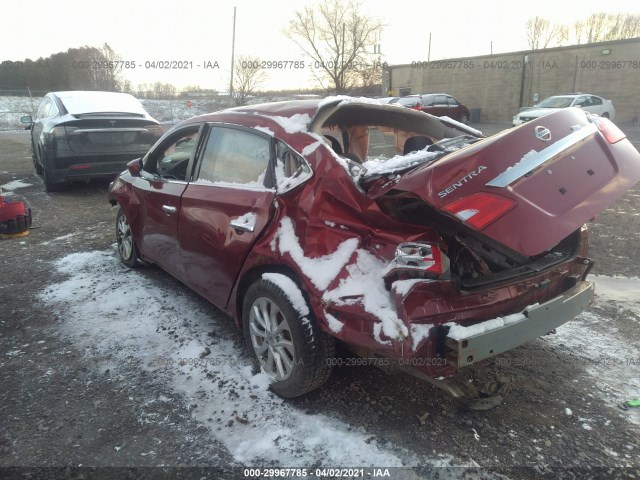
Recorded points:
159,189
455,109
225,208
594,105
427,104
38,128
440,106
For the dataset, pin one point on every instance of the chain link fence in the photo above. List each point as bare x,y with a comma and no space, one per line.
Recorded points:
18,101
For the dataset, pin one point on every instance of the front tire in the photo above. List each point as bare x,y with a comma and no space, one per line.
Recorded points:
127,250
464,119
289,346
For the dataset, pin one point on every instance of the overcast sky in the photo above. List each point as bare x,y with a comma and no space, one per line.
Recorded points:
200,31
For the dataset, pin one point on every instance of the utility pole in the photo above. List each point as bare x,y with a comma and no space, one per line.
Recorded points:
233,47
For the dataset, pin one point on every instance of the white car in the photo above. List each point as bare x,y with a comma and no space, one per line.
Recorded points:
590,103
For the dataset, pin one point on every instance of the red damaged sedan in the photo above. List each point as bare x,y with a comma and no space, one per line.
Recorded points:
417,242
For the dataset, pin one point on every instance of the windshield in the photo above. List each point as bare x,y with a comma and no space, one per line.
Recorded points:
556,102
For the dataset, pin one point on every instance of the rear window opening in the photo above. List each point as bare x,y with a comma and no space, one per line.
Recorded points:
384,151
386,139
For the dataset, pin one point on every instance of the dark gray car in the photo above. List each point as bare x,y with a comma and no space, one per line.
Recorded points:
78,135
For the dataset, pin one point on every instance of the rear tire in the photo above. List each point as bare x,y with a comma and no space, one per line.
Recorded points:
49,184
127,250
287,345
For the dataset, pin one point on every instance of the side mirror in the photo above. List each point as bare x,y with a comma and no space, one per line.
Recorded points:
134,167
27,120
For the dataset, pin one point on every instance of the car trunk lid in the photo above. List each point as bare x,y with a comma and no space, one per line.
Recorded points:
94,134
530,187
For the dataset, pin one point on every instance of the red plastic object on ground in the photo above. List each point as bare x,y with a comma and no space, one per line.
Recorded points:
15,218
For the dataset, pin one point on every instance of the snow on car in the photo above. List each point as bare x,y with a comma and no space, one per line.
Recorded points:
412,239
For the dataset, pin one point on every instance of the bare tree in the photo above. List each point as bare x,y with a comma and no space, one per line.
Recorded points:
248,76
600,27
541,33
337,37
629,26
370,78
163,90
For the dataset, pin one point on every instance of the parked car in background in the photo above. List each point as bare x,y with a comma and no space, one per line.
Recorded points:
421,245
438,104
590,103
78,135
384,100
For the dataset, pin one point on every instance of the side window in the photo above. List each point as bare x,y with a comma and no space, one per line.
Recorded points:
170,159
236,156
452,102
52,111
428,100
582,102
596,100
440,100
43,109
291,169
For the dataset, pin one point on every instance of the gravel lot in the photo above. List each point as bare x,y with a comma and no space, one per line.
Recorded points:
66,402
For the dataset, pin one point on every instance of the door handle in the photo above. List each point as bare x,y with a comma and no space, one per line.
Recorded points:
169,209
242,226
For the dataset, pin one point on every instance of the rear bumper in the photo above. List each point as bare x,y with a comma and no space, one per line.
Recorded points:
537,321
69,168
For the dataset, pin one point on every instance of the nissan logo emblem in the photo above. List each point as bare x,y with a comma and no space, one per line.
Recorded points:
543,133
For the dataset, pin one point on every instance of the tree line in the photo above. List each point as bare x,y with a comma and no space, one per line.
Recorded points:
598,27
74,69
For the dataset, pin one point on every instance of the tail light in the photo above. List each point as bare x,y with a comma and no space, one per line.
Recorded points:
59,131
610,132
155,130
424,256
480,209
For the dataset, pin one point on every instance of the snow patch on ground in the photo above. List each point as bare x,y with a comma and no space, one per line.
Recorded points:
617,289
124,318
14,185
608,356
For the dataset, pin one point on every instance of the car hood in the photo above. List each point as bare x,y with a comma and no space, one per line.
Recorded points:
547,177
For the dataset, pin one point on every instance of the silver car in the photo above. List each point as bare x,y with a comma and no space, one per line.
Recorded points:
590,103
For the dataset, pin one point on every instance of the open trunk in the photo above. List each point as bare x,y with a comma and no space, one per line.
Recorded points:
475,260
528,188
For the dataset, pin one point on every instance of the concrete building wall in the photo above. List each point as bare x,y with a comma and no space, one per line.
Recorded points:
496,83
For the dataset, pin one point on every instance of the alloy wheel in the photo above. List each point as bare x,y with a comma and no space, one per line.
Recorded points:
271,338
